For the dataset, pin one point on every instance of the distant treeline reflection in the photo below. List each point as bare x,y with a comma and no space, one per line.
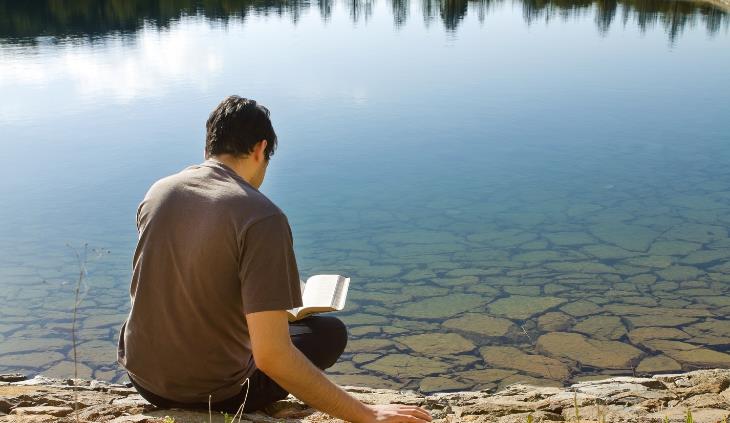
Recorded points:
23,21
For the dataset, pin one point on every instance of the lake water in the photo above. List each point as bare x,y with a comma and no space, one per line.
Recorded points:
519,190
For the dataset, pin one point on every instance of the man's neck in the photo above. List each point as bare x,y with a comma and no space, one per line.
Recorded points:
238,165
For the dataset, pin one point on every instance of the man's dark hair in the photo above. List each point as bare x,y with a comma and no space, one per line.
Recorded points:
236,125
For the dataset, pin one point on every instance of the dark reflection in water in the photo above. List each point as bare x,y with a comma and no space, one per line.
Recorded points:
22,22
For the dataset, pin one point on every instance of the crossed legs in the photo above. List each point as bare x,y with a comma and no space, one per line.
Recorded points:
322,339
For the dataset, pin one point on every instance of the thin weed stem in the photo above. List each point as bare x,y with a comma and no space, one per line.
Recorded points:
81,259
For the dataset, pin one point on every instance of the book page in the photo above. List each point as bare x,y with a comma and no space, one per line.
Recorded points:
321,290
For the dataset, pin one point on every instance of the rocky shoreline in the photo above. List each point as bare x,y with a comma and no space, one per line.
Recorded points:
705,393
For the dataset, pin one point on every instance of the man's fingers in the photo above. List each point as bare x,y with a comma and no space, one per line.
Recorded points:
406,419
417,412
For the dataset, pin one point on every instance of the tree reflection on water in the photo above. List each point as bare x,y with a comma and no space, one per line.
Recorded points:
23,22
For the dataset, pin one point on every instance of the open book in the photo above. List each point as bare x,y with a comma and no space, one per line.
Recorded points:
321,293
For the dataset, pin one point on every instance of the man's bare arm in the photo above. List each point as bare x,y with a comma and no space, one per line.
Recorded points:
276,356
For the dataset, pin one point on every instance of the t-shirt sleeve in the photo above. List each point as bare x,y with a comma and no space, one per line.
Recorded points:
268,269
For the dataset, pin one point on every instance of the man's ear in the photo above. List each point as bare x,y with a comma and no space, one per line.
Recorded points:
260,150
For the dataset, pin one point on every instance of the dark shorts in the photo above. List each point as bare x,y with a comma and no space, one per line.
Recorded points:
321,338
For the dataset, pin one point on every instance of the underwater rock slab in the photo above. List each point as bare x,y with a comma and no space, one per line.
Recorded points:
666,320
379,271
441,307
695,232
481,324
528,290
673,248
569,238
485,376
710,332
426,291
65,369
364,319
705,256
369,345
656,364
522,307
513,358
441,384
628,237
591,352
679,273
437,343
407,366
554,321
16,345
580,267
637,336
607,252
417,274
31,359
656,262
365,330
601,327
690,354
581,308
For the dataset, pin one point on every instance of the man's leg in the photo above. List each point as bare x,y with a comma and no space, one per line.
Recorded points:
321,338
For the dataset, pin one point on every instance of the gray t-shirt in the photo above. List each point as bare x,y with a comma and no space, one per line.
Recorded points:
211,249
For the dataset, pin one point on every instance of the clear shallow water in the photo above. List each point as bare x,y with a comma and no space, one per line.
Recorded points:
501,180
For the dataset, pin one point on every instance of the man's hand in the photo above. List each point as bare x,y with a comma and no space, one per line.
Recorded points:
396,413
276,356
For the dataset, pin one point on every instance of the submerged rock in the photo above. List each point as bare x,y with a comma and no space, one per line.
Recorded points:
405,366
695,232
628,237
657,364
710,332
513,358
482,325
441,307
554,321
581,308
591,352
690,354
522,307
679,273
601,327
441,384
637,336
437,343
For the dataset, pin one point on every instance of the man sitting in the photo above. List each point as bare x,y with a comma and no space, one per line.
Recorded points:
213,275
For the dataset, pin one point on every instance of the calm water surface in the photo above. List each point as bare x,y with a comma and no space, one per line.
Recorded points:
500,179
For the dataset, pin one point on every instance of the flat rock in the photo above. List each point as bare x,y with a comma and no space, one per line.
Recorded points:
581,308
554,321
436,343
690,354
481,324
695,232
31,359
42,409
679,273
628,237
657,364
640,335
403,365
485,376
601,327
595,353
513,358
440,308
523,307
369,345
441,384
